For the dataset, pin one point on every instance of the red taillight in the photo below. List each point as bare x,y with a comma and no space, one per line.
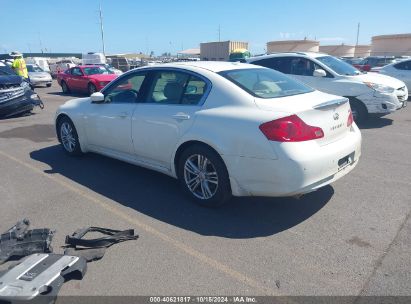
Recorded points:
290,129
350,119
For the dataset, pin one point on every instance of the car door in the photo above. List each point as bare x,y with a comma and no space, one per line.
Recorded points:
108,124
402,71
76,79
173,97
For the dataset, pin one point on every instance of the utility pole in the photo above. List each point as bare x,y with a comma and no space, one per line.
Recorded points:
102,31
358,33
219,32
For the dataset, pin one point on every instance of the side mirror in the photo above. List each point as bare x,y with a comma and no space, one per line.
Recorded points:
319,73
97,97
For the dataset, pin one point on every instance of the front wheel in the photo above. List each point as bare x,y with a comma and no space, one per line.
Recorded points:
64,87
68,137
91,89
203,176
359,111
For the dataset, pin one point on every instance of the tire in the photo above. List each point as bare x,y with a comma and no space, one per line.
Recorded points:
359,111
64,87
91,88
48,85
208,186
68,137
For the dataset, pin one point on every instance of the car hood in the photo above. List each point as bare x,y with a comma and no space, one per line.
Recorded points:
39,74
380,79
10,79
103,77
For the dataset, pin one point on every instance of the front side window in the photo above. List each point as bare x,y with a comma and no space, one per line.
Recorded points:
170,87
125,90
265,83
76,72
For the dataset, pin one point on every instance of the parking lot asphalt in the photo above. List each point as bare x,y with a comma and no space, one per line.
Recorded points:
350,238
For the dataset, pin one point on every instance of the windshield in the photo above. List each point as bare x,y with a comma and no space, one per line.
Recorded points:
339,66
34,68
265,83
96,70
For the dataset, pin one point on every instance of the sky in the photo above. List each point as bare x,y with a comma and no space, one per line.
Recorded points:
133,26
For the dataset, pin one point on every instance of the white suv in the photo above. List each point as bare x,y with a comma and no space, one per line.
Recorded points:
368,93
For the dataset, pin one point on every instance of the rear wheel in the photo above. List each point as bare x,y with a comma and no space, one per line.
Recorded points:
91,89
203,176
64,87
68,136
359,111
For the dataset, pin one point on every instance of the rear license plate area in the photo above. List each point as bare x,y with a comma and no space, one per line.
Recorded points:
346,161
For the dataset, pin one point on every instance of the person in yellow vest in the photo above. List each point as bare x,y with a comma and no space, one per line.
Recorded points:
19,65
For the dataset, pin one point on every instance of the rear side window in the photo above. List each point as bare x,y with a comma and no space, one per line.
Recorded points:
281,64
265,83
171,87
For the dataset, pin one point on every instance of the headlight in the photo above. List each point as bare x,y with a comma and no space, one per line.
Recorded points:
24,84
34,96
379,87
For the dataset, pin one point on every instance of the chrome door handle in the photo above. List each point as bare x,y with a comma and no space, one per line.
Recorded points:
181,116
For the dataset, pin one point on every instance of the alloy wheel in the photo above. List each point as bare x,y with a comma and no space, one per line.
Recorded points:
201,176
67,137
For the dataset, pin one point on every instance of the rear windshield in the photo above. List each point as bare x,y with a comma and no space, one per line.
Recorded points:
265,83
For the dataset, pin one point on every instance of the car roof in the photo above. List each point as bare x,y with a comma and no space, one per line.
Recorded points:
297,54
213,66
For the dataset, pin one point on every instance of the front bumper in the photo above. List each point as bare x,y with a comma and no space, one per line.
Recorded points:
300,168
379,103
16,106
40,81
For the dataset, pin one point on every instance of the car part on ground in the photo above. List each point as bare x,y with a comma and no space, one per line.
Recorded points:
19,242
39,278
113,237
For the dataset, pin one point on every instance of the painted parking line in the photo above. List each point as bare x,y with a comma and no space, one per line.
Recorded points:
177,244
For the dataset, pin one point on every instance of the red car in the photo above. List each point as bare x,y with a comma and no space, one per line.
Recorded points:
88,78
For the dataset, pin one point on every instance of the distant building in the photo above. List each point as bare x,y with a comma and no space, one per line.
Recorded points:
220,51
362,50
391,45
292,46
340,50
189,53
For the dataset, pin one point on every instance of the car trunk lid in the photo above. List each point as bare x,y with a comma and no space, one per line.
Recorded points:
328,112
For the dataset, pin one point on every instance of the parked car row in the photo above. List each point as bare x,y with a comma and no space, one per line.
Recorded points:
368,93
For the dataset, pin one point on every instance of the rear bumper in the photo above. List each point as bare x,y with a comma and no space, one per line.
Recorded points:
300,168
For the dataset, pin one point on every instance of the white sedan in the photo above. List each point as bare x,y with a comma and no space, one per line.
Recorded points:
220,128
